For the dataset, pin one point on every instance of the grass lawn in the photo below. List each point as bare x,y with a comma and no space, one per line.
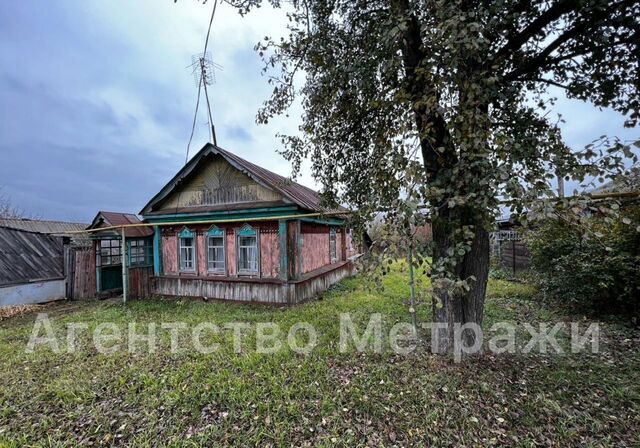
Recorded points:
326,398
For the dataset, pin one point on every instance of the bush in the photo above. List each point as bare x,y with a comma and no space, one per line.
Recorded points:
600,274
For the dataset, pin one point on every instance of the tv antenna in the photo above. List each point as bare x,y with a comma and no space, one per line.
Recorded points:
204,75
203,71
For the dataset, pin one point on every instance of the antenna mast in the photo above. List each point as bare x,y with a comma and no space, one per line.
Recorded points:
204,75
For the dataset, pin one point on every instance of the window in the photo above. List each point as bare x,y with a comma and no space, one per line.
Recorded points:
215,250
140,252
187,250
109,252
247,244
333,246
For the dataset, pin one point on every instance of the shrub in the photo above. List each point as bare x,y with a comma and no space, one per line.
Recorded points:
601,274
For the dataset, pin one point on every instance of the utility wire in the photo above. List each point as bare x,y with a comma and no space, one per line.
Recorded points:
193,125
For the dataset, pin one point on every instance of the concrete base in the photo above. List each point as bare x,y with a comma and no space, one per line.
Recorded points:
30,293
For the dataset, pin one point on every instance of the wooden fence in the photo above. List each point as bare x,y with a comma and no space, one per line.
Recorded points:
140,282
80,270
510,251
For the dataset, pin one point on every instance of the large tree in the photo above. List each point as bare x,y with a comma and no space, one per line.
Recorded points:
446,102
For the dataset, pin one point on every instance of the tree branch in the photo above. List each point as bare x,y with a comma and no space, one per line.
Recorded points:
552,14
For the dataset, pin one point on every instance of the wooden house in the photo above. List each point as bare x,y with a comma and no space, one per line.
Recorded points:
225,228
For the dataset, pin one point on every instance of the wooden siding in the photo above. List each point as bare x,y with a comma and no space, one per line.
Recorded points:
254,290
218,182
514,255
269,253
293,249
232,268
83,277
27,256
140,282
315,247
201,253
169,253
269,249
315,285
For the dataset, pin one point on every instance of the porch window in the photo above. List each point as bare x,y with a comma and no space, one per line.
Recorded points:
247,244
140,252
187,250
110,252
215,250
333,247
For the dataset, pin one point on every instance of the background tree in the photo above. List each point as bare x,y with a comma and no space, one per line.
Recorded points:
452,97
7,209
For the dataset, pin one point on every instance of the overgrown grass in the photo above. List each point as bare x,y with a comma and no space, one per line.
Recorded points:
326,398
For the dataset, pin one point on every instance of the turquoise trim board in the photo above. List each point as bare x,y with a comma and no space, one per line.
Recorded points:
284,262
328,222
157,261
98,279
241,214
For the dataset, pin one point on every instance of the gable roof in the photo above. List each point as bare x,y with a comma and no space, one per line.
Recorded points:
118,219
304,197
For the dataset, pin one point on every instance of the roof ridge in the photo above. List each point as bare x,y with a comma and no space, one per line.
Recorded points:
265,169
41,220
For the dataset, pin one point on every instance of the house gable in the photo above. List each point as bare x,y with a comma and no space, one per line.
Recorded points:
254,187
216,182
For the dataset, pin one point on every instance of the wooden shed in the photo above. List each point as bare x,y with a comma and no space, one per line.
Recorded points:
31,267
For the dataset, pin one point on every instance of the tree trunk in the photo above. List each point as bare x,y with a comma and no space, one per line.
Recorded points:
439,156
450,306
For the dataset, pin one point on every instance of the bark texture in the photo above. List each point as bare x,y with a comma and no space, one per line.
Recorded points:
450,307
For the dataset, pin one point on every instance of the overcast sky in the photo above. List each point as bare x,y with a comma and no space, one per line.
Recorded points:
96,100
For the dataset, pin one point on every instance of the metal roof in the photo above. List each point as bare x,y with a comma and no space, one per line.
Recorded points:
29,256
108,219
57,228
41,226
304,197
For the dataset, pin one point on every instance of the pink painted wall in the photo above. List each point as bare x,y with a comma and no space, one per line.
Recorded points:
315,247
231,252
201,253
269,248
269,253
169,253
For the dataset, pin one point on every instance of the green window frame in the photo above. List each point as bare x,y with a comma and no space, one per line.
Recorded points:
140,252
109,252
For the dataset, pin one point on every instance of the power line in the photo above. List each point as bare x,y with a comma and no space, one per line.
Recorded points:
193,125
